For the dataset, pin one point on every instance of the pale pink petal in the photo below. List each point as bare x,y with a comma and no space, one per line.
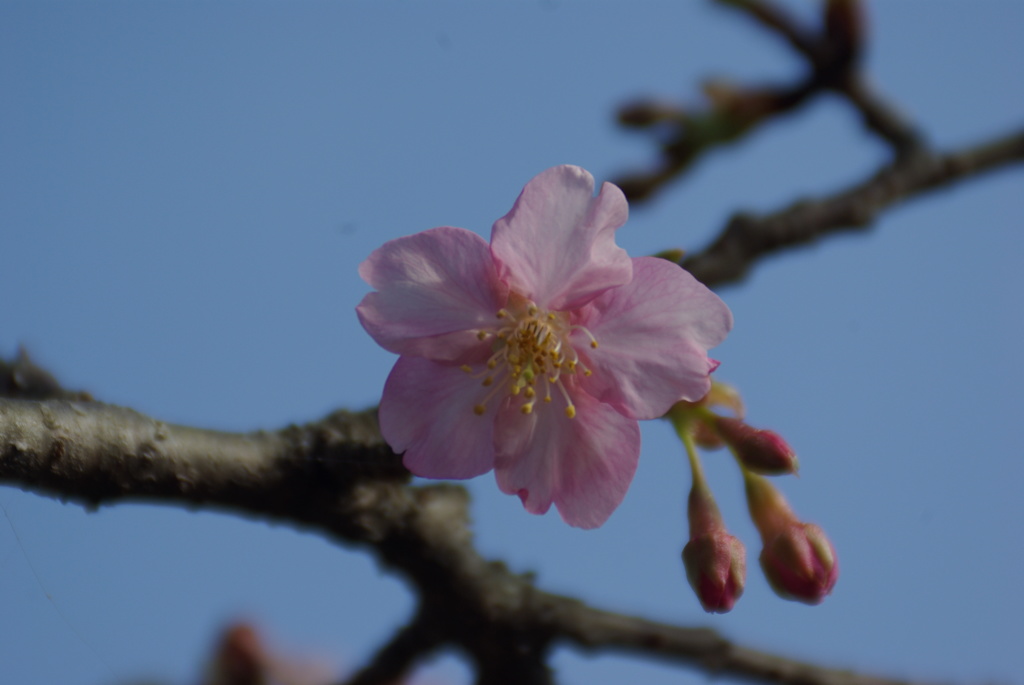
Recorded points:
653,335
435,283
427,412
557,245
584,465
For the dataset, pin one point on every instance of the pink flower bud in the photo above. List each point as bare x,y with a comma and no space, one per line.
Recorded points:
800,563
798,559
716,566
761,451
699,421
716,562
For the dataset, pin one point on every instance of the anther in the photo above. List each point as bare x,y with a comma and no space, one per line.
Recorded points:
570,411
593,340
479,410
466,368
487,381
527,408
480,335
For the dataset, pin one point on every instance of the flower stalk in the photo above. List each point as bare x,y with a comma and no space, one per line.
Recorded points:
715,561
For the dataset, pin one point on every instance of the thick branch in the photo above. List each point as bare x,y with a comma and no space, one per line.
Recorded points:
98,453
337,476
748,238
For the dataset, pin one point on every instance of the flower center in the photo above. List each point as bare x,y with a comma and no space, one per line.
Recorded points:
532,354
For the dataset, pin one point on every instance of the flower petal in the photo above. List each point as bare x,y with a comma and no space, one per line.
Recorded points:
653,336
557,244
427,412
440,282
584,465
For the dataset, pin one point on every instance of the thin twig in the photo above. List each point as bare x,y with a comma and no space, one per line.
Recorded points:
832,53
779,21
393,662
883,117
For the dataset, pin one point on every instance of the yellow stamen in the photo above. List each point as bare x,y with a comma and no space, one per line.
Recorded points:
530,344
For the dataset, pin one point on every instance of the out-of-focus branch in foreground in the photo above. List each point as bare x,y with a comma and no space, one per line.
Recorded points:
338,477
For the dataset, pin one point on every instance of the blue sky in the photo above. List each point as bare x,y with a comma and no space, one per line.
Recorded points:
186,190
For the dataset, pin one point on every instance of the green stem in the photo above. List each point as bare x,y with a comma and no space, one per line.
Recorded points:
682,427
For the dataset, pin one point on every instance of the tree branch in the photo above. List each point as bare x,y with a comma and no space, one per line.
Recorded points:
748,238
832,54
393,662
703,648
337,476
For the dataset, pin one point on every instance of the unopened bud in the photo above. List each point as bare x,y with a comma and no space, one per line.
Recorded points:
716,566
720,395
761,451
798,559
716,562
800,563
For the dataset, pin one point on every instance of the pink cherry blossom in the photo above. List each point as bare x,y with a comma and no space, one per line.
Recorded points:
536,355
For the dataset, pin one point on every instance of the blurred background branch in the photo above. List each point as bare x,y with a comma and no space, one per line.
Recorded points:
832,51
